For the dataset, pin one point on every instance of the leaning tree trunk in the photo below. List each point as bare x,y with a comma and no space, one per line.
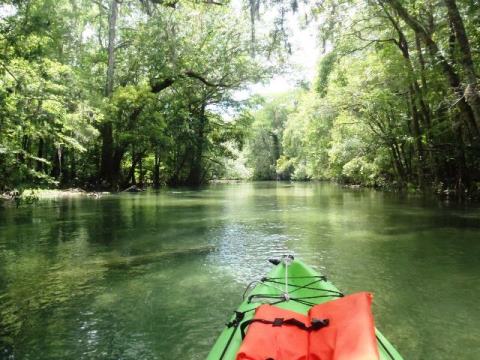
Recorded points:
471,91
453,78
414,95
417,135
398,165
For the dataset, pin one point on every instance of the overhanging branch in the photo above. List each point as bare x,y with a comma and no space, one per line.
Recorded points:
158,86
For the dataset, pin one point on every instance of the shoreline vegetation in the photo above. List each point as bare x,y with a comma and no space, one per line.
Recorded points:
32,196
115,97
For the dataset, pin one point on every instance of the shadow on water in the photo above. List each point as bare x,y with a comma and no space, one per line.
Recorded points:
155,275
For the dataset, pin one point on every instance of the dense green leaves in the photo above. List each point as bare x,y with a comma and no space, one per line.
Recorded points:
393,101
130,92
169,75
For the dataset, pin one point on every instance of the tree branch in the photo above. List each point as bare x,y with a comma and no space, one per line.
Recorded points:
100,4
158,86
194,75
161,85
123,44
8,70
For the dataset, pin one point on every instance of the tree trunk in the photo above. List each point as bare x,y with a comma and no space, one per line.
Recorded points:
417,135
73,167
426,110
41,146
116,166
449,71
65,169
180,160
140,169
461,179
57,164
403,160
471,91
420,113
156,170
421,60
195,176
424,107
398,165
25,148
112,30
106,130
132,179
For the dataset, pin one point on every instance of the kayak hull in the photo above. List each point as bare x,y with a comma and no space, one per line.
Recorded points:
305,288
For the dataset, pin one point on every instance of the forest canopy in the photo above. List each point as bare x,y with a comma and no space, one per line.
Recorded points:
105,94
395,102
110,93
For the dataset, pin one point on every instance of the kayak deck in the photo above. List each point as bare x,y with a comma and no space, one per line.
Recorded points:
305,288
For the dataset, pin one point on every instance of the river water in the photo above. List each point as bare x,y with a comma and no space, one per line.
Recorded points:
156,275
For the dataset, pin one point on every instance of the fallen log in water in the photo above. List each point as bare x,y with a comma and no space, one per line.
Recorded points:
120,262
133,189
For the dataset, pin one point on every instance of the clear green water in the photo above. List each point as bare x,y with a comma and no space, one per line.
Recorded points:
132,276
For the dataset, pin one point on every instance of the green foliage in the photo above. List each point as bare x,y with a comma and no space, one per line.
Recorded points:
395,100
41,109
326,66
175,69
266,137
390,105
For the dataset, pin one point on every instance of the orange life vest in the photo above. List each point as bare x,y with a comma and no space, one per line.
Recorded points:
350,333
265,341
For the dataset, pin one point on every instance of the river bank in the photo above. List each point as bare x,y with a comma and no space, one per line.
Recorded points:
30,196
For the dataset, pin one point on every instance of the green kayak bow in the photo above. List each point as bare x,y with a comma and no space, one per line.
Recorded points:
290,285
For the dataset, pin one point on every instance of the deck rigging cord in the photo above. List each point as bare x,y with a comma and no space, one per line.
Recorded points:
287,260
285,293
